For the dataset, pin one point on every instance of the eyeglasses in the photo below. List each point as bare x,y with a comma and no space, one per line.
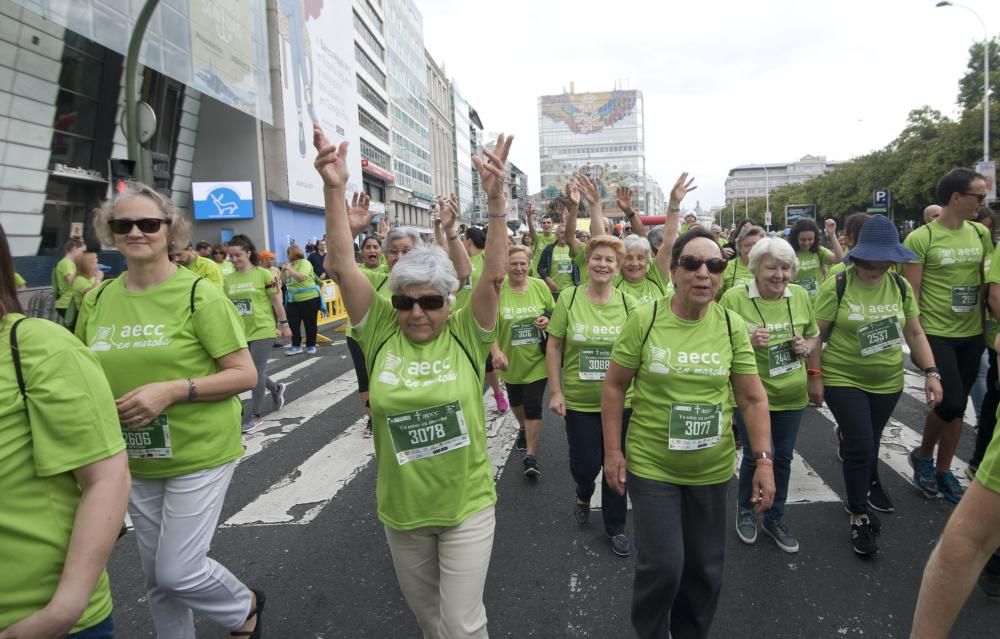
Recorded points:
980,196
146,225
427,302
691,263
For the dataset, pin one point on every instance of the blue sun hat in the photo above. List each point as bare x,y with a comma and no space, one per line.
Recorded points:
878,241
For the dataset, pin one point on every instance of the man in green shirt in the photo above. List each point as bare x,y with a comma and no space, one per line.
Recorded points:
63,274
201,266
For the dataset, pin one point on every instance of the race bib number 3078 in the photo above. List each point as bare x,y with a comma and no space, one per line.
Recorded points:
428,432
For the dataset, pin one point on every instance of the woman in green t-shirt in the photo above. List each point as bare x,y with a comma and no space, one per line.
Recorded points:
779,320
525,307
173,350
434,489
371,255
640,276
852,226
254,292
88,277
63,477
814,258
681,355
302,301
864,314
736,269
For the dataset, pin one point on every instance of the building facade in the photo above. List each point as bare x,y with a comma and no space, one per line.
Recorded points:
602,134
756,180
442,128
371,76
655,202
461,115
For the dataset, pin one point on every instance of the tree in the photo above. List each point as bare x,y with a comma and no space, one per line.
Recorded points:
970,87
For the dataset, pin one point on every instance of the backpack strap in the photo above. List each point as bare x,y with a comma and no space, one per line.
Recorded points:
15,353
841,280
900,284
729,330
572,298
193,288
100,291
649,328
468,355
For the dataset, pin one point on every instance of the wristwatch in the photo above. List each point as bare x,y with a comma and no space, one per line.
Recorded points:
932,371
763,455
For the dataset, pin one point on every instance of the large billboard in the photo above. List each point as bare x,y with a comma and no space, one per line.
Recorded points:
218,47
585,113
316,45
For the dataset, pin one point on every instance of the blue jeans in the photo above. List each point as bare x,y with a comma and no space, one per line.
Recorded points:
103,630
784,430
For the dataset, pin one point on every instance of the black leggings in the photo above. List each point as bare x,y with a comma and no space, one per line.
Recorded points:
528,395
306,313
988,412
958,359
861,416
358,357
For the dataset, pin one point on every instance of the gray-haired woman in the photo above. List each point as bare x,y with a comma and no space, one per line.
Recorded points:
435,490
737,271
782,330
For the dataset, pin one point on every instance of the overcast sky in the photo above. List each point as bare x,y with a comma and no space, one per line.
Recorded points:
725,82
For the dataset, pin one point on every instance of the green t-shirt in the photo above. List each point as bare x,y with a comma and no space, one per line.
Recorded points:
379,281
950,286
988,473
839,267
464,294
679,431
305,290
69,421
652,287
993,277
226,268
561,267
580,259
18,280
251,294
588,332
381,267
541,241
149,336
781,371
517,336
80,286
64,290
869,320
429,423
736,273
812,269
204,267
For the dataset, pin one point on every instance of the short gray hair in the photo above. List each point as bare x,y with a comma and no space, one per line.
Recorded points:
400,233
424,266
779,249
655,236
178,231
638,242
749,231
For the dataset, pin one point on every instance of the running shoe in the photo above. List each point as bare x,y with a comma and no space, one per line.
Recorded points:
840,442
970,472
746,525
864,539
502,405
522,440
293,350
776,530
531,467
620,545
278,396
311,350
251,424
367,432
924,477
582,513
873,519
989,583
878,498
950,489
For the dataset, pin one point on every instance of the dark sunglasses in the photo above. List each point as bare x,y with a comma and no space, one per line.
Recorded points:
691,263
146,225
427,302
980,196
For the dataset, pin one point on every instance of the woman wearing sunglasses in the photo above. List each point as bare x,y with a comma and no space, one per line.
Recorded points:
680,355
864,314
737,271
434,490
779,321
173,349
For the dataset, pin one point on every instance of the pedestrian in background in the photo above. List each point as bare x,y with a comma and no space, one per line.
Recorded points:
737,271
302,300
63,274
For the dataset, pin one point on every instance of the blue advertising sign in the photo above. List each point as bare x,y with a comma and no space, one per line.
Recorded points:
222,200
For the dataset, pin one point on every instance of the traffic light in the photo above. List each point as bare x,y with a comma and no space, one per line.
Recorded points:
120,171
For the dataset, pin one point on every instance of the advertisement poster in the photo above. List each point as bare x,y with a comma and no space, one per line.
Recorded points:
222,200
989,171
316,43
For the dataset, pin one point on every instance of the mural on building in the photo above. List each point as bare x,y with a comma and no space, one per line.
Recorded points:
587,113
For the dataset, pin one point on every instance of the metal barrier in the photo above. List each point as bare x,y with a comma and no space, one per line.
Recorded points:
334,310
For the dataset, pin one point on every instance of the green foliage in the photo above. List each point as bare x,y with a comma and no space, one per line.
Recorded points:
970,87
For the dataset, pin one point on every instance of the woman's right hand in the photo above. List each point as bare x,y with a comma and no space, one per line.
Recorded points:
331,161
728,253
815,389
614,470
557,404
760,337
500,361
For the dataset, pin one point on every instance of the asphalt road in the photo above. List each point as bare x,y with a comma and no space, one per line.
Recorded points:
299,521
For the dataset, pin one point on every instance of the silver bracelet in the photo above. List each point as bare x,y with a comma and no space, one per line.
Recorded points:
497,215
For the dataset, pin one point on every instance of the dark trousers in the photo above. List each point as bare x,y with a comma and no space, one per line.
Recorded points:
861,417
680,539
988,411
586,458
305,313
784,431
958,359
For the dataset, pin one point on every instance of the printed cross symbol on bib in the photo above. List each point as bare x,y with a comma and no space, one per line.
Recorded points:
524,333
428,432
695,426
151,441
879,336
594,363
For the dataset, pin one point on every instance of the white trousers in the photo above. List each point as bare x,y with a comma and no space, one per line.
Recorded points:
442,573
174,522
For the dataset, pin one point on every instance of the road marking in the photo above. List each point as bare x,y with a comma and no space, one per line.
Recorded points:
282,375
805,485
913,385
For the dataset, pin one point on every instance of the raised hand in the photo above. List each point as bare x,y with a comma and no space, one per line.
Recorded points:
358,215
383,227
331,161
681,188
589,189
831,226
573,196
448,212
623,195
493,169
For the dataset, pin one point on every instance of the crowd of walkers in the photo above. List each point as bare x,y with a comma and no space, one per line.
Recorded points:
665,353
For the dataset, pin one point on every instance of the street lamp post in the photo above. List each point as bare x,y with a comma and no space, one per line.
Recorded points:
986,76
767,198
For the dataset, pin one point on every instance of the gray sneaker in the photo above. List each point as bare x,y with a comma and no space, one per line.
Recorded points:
776,530
746,525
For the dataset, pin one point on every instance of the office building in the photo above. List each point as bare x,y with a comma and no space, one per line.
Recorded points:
442,128
756,180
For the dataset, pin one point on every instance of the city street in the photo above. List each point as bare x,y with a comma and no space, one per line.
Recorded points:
299,522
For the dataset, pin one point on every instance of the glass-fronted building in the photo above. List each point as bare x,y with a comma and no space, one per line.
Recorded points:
463,152
411,159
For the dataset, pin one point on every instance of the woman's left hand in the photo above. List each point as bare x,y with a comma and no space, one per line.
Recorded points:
614,471
800,347
542,322
286,334
763,488
933,391
144,404
44,624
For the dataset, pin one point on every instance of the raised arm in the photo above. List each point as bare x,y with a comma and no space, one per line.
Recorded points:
358,214
492,171
569,216
529,214
623,195
838,251
589,189
682,187
331,164
448,216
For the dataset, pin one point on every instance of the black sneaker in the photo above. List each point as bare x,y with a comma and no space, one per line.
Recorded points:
582,513
873,519
878,498
620,545
522,441
864,539
531,467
